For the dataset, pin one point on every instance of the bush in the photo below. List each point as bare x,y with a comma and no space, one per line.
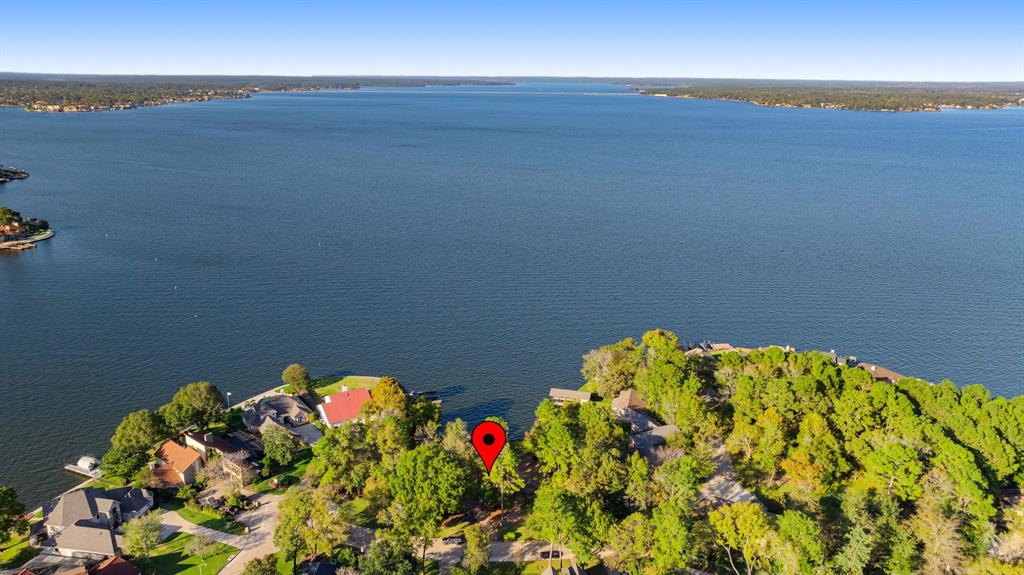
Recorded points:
188,493
235,499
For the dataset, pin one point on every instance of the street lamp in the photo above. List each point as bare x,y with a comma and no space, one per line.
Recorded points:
228,399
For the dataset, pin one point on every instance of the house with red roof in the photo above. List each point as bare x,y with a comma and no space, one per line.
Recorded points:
177,465
343,406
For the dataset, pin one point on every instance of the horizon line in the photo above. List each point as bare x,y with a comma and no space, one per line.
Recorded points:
506,76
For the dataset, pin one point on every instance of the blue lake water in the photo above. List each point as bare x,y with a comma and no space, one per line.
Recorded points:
478,241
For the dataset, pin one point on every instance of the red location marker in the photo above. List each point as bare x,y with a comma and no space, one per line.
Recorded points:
489,440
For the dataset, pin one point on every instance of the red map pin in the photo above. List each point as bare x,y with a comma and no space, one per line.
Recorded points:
489,439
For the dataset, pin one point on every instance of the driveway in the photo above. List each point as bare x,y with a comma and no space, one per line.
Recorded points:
258,542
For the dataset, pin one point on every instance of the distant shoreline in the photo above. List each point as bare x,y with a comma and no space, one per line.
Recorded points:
857,101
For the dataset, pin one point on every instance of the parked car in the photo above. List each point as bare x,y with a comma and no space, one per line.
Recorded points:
550,554
454,540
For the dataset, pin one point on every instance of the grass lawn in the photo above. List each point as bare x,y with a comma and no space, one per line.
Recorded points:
452,529
111,482
538,567
531,568
327,385
289,476
173,558
284,565
210,519
16,552
510,528
358,512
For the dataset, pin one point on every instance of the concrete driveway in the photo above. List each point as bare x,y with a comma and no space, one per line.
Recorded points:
258,542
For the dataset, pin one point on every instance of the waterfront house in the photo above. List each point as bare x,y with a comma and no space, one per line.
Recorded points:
343,406
562,396
177,465
285,410
12,230
82,523
880,373
209,445
627,399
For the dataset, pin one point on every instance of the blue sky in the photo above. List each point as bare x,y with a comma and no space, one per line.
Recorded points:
968,41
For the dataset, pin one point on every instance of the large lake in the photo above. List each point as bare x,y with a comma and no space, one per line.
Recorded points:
478,241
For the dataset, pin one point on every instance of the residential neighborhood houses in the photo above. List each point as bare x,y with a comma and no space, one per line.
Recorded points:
85,524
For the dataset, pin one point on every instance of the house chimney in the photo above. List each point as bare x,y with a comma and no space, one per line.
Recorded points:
344,388
874,368
327,399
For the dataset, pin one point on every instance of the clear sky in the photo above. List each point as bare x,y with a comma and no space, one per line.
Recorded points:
967,41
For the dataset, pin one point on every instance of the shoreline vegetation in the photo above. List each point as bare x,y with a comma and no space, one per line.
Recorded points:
91,93
16,232
864,96
74,93
712,457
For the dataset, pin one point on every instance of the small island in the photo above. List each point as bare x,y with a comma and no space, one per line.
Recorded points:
18,233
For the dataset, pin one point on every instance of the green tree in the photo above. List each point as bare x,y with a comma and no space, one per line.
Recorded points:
139,431
266,565
631,544
197,404
457,441
278,445
806,538
611,368
199,546
290,533
427,484
895,469
12,514
504,474
124,462
640,492
388,556
142,535
296,376
816,463
478,549
551,513
343,458
132,443
388,398
743,528
672,542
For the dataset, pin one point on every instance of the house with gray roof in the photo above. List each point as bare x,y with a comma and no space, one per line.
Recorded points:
561,396
285,410
82,523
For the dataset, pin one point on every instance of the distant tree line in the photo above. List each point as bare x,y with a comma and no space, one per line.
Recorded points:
895,98
71,93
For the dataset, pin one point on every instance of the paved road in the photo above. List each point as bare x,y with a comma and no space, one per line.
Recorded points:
257,543
722,487
449,555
